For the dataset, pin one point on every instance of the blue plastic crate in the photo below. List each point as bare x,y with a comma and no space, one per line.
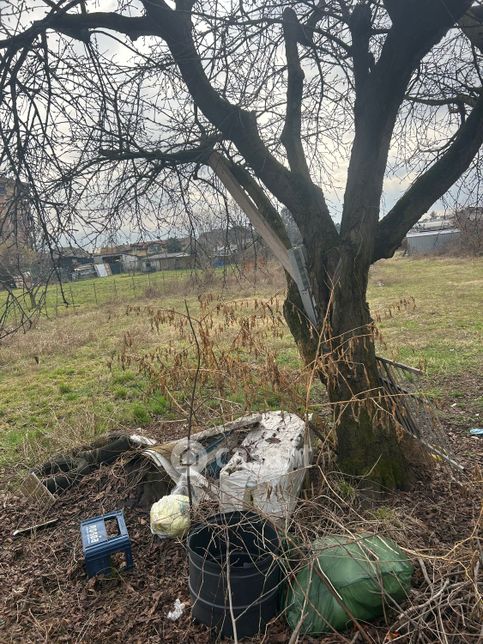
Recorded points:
98,546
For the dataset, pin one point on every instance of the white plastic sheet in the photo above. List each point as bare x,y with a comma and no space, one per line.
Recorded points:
267,470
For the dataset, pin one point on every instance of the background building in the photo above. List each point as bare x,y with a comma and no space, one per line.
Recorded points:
16,224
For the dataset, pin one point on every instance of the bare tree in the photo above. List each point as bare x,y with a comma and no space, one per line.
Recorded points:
112,116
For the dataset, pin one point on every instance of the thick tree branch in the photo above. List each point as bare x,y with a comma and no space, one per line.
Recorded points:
295,84
185,5
460,99
240,126
472,26
77,26
360,27
377,105
431,185
418,26
395,9
199,154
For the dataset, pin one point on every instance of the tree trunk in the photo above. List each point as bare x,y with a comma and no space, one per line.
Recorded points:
369,442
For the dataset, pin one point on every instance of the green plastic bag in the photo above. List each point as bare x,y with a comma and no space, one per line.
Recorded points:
363,571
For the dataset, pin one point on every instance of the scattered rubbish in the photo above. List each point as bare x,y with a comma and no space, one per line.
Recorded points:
260,461
272,460
33,488
349,578
153,471
66,470
98,545
177,611
199,485
34,528
253,465
170,516
234,575
137,440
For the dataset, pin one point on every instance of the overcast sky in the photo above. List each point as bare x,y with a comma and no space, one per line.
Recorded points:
394,186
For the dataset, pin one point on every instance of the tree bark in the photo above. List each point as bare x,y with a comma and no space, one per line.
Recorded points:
370,445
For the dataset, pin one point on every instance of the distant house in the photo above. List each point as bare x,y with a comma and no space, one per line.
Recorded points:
225,255
433,224
431,241
159,246
68,258
165,262
118,261
16,225
219,238
83,272
116,249
431,236
145,248
221,246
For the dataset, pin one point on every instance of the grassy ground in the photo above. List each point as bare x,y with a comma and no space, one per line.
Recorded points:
120,363
132,363
441,329
74,296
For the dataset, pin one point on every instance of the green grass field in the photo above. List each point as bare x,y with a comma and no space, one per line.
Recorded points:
100,365
73,296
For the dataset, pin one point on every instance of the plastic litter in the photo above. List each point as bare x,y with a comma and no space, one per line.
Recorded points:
169,457
476,431
234,573
98,545
198,484
267,470
170,516
65,470
153,472
177,611
348,577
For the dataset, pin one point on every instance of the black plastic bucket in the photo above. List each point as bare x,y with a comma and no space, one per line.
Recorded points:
237,550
